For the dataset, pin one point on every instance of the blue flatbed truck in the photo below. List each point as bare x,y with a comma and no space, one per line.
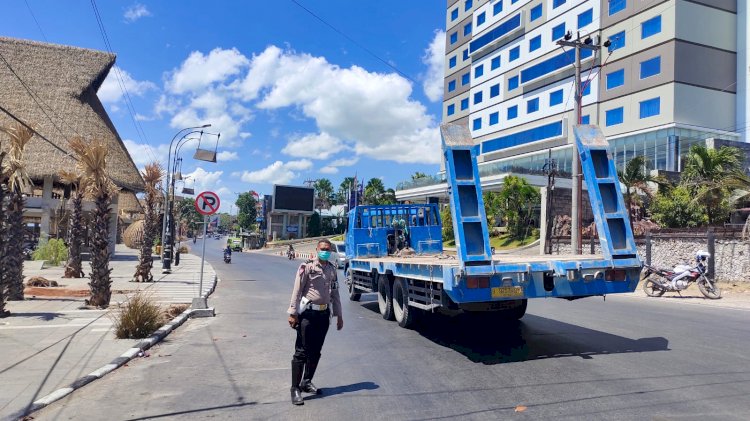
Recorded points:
396,251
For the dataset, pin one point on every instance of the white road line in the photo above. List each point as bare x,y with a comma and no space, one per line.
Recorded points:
54,326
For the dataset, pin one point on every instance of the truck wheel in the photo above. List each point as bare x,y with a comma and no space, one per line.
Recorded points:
353,296
385,300
403,314
516,313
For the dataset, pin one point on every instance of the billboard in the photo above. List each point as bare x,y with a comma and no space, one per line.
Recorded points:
293,198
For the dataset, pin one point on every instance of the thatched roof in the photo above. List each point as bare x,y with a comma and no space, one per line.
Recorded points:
65,81
127,202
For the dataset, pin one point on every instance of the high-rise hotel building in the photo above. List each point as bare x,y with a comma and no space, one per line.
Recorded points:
674,74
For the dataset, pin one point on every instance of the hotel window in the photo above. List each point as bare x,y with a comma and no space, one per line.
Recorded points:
650,107
451,109
451,86
616,6
651,27
558,31
467,5
536,13
586,119
617,41
535,43
479,70
557,3
477,124
481,18
532,105
452,62
477,97
454,14
454,37
465,104
512,112
495,63
556,97
585,18
651,67
614,116
513,83
466,54
465,78
514,53
494,90
497,8
615,79
494,118
585,87
467,29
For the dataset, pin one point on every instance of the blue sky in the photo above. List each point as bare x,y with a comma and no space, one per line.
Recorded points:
292,98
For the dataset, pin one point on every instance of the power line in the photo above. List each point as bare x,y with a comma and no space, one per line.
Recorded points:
367,50
23,123
35,21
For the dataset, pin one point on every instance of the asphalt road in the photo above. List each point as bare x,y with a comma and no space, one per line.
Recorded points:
625,358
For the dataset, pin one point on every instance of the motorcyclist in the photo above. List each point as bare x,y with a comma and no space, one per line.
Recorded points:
290,250
228,251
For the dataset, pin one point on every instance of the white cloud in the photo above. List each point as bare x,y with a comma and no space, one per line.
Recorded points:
277,173
110,92
224,156
199,71
329,170
203,180
434,58
143,154
344,162
313,146
135,12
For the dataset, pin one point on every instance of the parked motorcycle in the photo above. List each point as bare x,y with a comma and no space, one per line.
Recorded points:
680,278
227,258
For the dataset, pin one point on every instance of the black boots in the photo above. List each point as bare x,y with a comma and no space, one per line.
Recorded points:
307,385
297,369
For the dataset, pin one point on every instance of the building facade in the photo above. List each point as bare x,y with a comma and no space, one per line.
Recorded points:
674,74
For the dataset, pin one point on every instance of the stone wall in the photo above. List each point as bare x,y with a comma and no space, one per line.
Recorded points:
732,258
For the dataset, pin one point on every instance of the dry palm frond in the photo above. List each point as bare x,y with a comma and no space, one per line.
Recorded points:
70,177
15,169
152,175
92,164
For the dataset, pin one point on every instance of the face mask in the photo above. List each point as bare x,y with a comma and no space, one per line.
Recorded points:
324,255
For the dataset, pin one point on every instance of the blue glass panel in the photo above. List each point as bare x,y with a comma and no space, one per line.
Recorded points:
497,8
558,31
452,62
556,97
532,105
466,54
617,41
451,86
477,124
651,27
650,107
514,53
479,70
467,29
512,112
557,3
481,18
477,97
651,67
494,90
527,136
536,13
465,104
495,63
616,6
513,83
451,109
586,87
496,33
467,5
465,78
494,118
454,14
535,43
615,79
552,64
614,116
586,119
454,37
585,18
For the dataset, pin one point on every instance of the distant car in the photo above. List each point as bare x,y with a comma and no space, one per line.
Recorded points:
338,257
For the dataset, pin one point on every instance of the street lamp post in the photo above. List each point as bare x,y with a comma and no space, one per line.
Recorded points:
166,256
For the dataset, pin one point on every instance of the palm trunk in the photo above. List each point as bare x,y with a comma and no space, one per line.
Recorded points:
143,271
13,258
74,267
100,282
3,312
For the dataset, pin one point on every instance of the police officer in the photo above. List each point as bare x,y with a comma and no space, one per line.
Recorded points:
316,282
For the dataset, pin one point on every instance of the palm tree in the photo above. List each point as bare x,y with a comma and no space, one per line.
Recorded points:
373,191
709,173
344,190
18,182
97,186
152,176
74,266
323,190
3,311
635,178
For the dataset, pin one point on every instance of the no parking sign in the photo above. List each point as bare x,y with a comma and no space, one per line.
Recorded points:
207,203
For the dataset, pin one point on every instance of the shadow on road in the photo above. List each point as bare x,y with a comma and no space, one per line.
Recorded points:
533,337
355,387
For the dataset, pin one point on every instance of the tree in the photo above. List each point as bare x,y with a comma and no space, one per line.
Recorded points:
417,175
708,173
388,197
3,295
225,220
324,190
314,225
373,191
152,176
246,211
344,189
97,186
635,178
675,208
188,215
447,221
492,207
74,265
18,182
517,200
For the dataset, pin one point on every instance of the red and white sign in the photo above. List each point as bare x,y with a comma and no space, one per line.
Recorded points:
207,203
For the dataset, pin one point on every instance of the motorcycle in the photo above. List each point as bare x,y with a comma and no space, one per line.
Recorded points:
680,278
227,258
290,254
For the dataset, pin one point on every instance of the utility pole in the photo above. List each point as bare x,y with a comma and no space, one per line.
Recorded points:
576,209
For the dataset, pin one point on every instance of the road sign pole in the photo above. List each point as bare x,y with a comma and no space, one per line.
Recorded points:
200,302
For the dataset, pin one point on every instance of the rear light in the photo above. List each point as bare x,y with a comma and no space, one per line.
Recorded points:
615,275
473,282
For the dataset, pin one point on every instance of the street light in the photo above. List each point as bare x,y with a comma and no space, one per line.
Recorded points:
166,256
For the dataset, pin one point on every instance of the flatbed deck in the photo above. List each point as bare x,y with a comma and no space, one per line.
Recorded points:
451,260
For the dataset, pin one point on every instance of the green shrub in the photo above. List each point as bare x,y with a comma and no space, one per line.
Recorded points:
676,208
139,318
53,251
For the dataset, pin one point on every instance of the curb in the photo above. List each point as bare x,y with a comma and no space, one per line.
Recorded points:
118,362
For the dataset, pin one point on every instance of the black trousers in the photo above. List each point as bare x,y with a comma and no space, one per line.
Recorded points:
311,333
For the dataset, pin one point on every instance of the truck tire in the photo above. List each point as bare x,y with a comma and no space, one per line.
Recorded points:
353,295
403,314
517,312
385,298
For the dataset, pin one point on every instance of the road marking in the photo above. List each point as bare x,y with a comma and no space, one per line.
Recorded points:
54,326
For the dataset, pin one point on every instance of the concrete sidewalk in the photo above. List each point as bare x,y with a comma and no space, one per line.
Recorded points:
49,342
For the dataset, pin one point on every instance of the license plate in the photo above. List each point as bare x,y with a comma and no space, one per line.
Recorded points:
502,292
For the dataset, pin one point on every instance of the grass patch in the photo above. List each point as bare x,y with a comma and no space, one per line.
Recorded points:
338,238
138,318
503,242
